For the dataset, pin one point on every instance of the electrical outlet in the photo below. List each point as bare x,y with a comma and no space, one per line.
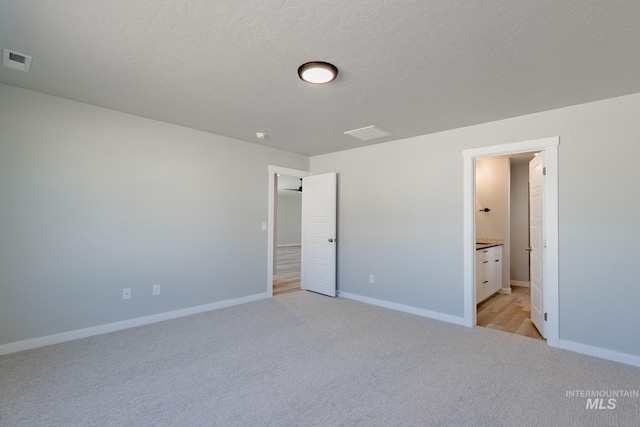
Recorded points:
126,293
156,289
371,278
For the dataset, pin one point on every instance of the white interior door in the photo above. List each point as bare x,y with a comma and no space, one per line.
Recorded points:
536,237
318,270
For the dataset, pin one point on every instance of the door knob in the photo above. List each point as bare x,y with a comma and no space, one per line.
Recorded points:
330,240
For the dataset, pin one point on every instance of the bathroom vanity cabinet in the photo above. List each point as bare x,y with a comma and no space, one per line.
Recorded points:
488,271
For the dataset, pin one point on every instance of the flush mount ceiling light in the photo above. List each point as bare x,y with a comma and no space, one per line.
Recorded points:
317,72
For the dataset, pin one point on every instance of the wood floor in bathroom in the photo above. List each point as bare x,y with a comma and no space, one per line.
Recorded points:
509,313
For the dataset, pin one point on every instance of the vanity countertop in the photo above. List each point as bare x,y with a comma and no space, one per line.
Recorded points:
486,245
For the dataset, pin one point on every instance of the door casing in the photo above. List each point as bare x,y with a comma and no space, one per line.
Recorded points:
550,255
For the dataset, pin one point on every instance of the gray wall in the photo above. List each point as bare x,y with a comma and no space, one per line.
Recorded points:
519,230
93,200
492,191
289,213
400,217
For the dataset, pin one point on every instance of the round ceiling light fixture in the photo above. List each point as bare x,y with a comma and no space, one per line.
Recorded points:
317,72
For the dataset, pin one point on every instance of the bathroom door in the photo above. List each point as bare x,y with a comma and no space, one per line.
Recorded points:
537,243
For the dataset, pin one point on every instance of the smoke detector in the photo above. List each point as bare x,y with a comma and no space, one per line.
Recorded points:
15,60
368,133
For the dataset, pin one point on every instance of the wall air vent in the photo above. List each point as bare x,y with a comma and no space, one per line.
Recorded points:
16,60
368,133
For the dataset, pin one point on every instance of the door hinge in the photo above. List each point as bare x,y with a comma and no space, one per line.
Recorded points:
545,317
544,170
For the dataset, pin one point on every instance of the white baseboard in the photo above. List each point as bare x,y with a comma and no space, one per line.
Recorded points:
125,324
404,308
602,353
504,291
519,283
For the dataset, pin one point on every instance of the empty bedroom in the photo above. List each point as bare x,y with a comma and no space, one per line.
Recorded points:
241,213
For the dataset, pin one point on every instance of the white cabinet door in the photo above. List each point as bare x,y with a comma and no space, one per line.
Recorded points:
483,275
495,266
488,272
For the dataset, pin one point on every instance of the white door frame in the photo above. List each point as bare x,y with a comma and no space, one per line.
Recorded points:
550,208
271,238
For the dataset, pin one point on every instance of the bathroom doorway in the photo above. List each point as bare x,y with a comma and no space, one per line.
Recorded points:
503,291
548,205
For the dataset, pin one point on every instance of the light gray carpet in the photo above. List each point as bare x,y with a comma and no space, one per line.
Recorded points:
302,359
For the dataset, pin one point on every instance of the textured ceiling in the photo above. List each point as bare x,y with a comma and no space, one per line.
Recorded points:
410,67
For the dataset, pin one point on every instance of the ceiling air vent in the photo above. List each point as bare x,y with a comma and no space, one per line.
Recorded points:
16,60
368,133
